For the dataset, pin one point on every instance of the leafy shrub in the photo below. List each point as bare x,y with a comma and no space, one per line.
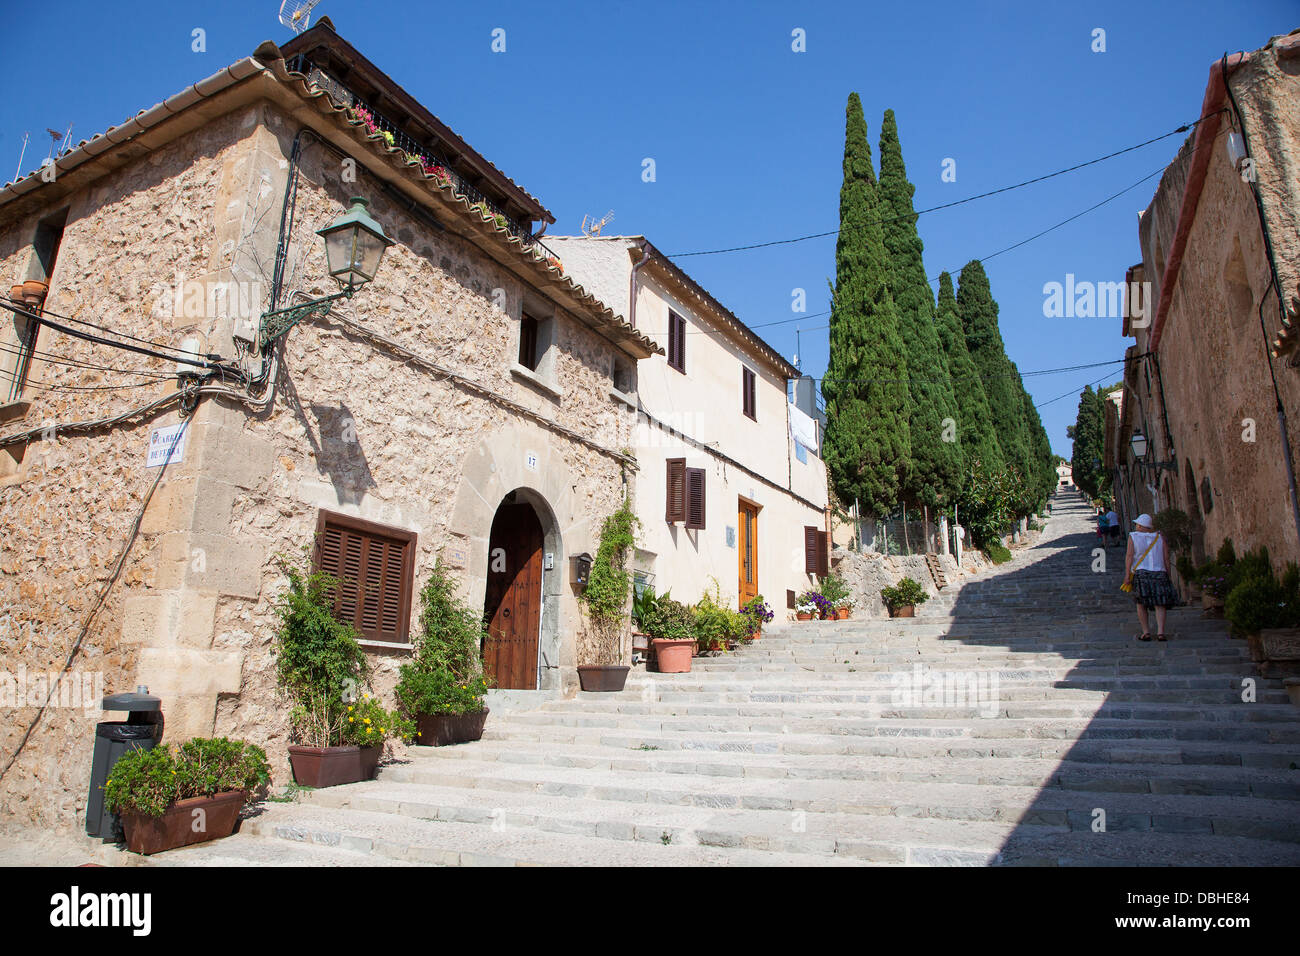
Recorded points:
997,553
438,692
149,781
907,591
671,620
1186,570
446,673
643,607
833,588
1176,528
715,623
1252,564
316,656
609,583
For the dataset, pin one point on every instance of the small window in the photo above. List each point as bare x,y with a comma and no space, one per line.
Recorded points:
622,376
528,356
375,567
748,396
676,341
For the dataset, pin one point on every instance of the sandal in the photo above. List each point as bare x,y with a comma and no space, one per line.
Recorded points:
1146,636
1161,637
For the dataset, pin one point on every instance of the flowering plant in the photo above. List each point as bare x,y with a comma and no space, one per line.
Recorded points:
845,604
1215,585
813,602
368,724
756,613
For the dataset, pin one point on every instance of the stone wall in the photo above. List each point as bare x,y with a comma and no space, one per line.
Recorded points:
355,428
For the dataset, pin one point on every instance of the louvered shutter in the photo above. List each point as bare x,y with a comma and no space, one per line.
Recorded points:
810,541
695,504
823,553
676,491
374,566
747,386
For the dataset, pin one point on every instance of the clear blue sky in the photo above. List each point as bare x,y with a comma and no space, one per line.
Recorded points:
746,134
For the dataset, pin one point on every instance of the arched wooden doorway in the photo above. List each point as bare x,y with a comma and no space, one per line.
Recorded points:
513,601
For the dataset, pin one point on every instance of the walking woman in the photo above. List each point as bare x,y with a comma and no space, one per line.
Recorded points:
1146,572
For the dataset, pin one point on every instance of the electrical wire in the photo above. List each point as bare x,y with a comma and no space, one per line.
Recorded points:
100,328
52,358
959,202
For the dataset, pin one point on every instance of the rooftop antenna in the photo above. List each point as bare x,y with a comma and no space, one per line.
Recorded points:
21,153
55,138
296,14
591,226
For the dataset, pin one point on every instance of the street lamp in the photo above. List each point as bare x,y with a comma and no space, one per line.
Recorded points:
354,246
1141,445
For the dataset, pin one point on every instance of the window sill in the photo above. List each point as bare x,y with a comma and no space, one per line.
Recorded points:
385,646
627,398
532,378
13,412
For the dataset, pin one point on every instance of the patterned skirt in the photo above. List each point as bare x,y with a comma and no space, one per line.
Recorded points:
1154,589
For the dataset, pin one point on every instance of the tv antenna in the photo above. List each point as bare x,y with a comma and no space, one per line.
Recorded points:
59,141
296,14
592,226
21,153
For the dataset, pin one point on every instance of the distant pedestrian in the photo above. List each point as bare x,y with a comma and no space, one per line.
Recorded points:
1113,529
1146,574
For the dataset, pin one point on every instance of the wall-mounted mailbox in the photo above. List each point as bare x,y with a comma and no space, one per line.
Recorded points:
579,569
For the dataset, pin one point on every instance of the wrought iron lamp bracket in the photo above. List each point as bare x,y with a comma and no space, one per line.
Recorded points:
277,323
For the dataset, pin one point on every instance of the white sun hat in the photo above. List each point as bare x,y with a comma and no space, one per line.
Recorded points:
1143,519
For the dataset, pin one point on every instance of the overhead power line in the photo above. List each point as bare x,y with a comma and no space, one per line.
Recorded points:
958,202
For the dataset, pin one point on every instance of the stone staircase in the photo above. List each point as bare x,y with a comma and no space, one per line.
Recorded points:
820,745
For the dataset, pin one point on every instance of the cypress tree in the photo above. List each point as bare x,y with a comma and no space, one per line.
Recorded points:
1089,434
867,442
979,320
935,472
976,437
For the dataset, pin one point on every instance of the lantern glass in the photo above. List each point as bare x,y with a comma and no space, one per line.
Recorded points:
354,246
1139,446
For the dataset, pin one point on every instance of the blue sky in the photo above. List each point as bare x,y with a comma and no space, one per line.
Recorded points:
747,136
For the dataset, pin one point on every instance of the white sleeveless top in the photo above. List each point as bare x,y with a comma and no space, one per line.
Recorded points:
1155,561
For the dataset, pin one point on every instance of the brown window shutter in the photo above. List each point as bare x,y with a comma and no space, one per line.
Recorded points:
676,496
375,567
810,542
528,342
747,386
695,504
676,341
823,553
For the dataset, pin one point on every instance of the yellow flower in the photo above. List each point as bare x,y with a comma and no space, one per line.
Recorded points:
367,720
349,708
352,720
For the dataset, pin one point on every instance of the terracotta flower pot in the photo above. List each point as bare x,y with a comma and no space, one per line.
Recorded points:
842,613
803,616
906,610
441,730
603,677
756,635
34,292
195,820
16,292
333,766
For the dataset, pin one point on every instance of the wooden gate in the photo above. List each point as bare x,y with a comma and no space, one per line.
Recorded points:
513,604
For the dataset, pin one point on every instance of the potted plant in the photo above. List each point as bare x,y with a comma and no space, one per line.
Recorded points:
804,610
441,689
555,264
339,732
672,635
902,598
757,613
1267,612
844,608
169,799
820,607
605,598
716,625
643,609
835,591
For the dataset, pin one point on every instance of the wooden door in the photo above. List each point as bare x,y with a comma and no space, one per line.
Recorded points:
513,605
747,523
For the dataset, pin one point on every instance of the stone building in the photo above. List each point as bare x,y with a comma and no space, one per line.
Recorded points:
462,401
1212,383
731,488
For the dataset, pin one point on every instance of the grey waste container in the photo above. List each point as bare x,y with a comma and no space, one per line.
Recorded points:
143,729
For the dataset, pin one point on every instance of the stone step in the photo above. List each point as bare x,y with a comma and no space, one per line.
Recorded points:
1277,819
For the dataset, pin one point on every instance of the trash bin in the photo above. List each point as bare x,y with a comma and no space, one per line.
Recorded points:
142,729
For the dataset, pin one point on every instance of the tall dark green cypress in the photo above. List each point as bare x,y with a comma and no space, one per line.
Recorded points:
935,472
977,439
867,443
1089,434
979,320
